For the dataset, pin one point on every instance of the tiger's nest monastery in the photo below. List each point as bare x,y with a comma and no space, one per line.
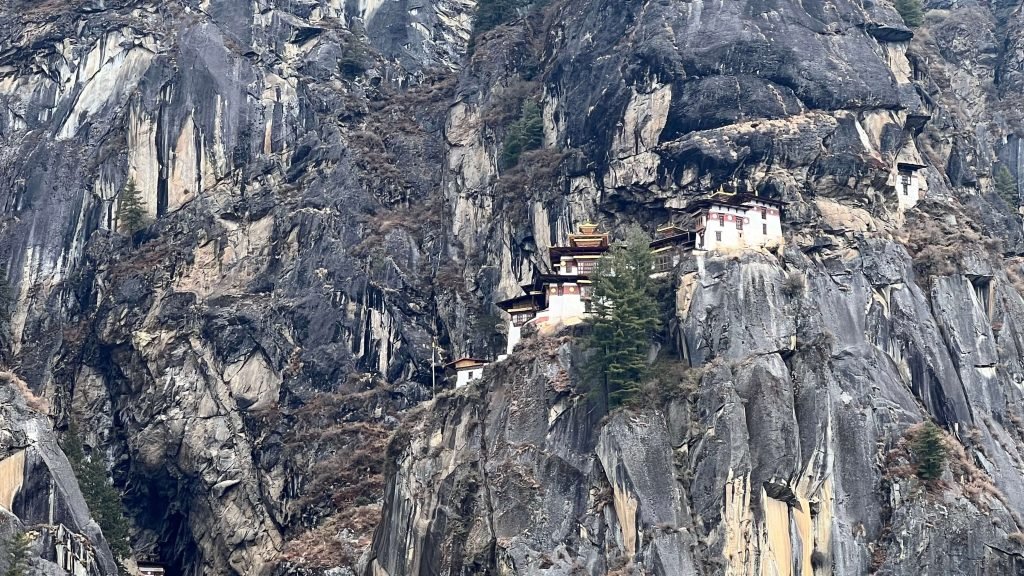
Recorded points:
722,222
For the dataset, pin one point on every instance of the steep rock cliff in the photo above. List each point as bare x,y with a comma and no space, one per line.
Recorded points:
333,217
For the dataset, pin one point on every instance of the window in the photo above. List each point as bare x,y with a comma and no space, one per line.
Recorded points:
520,318
721,219
905,181
764,213
663,262
739,223
586,267
718,236
764,229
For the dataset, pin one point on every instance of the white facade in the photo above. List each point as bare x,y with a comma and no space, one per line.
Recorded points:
909,185
466,375
515,334
751,225
565,302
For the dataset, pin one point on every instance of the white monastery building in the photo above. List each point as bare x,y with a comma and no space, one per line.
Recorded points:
736,221
466,370
723,221
562,297
909,184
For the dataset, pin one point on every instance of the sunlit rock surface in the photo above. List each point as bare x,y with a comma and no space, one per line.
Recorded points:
333,218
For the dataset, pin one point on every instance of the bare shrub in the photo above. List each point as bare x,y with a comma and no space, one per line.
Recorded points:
937,243
35,403
507,101
670,380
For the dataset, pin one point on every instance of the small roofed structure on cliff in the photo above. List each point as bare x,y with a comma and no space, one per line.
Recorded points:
564,296
669,245
522,309
147,569
465,370
910,185
727,220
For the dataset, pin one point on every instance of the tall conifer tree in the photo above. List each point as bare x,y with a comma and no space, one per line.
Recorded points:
131,215
1006,185
625,317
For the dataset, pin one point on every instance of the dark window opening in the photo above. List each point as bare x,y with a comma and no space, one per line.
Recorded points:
982,286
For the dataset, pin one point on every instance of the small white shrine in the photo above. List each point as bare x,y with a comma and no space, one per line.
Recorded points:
909,183
465,370
148,569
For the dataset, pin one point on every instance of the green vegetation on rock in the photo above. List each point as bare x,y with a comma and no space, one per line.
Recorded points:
526,133
625,318
493,13
102,497
17,554
1006,185
911,11
930,452
131,215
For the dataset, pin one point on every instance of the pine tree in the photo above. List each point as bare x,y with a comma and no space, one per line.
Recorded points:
526,133
100,494
1006,185
930,451
625,317
911,11
17,554
131,215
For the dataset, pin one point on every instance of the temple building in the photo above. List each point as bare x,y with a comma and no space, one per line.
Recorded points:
564,296
736,221
465,370
568,290
909,183
523,309
670,244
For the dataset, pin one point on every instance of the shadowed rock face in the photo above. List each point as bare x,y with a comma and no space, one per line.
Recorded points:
331,210
38,490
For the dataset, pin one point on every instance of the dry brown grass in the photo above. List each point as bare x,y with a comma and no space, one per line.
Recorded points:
338,541
938,245
973,481
345,459
1015,273
35,403
1016,537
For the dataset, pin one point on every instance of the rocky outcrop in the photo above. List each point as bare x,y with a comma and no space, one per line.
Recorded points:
784,458
39,495
333,217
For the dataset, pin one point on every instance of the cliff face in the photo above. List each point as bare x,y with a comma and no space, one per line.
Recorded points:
784,453
333,213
